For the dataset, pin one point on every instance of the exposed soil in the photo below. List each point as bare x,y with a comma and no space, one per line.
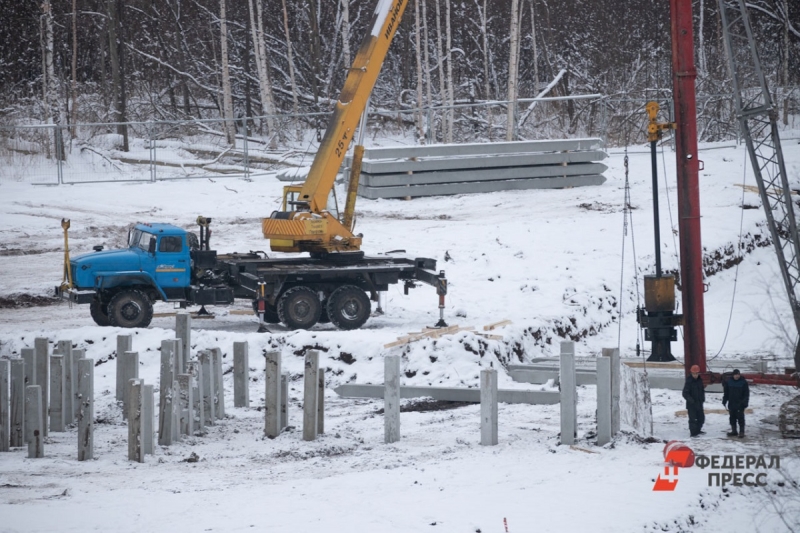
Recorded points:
424,405
16,301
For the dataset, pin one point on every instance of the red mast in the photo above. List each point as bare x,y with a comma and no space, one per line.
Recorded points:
683,77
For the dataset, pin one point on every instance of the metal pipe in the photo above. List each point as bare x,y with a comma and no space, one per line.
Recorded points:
656,224
691,249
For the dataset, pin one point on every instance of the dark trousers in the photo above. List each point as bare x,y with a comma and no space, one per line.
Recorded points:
736,415
696,417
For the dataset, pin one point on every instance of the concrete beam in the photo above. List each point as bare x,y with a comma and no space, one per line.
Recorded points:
183,331
613,354
165,405
42,347
17,403
310,393
603,400
129,361
56,393
134,398
451,394
148,419
467,149
568,394
124,344
33,421
219,384
207,387
5,405
241,374
272,395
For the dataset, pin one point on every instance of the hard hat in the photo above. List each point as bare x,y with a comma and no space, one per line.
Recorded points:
694,368
736,371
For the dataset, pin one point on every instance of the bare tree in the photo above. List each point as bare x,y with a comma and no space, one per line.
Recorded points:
117,79
440,64
227,100
290,58
345,31
418,50
74,69
512,69
450,95
264,82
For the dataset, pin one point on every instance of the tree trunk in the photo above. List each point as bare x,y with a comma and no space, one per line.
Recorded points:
535,51
259,47
74,86
54,107
426,49
701,49
418,53
512,69
227,100
290,57
345,31
786,91
450,92
117,88
440,61
315,49
487,87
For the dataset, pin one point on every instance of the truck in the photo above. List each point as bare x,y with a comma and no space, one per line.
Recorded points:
336,281
164,262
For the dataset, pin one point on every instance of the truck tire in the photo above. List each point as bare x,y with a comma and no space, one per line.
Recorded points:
348,307
99,312
299,308
130,309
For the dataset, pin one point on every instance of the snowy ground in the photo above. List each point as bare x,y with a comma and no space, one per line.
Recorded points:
549,260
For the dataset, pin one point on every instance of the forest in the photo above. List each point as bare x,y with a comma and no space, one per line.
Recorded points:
114,61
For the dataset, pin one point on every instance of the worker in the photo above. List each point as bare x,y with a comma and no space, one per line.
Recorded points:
736,398
694,393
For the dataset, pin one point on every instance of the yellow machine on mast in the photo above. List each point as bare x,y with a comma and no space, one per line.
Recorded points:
310,227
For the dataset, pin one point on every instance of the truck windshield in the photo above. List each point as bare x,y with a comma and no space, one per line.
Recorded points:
133,237
142,239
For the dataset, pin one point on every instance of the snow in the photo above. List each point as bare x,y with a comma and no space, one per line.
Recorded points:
381,12
549,260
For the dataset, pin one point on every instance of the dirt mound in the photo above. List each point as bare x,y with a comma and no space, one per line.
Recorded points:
16,301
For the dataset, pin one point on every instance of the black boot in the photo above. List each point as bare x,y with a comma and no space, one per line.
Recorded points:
733,432
741,431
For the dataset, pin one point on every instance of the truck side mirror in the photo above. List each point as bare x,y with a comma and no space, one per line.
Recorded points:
152,246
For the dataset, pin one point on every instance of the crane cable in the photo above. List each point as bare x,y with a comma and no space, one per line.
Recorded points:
627,213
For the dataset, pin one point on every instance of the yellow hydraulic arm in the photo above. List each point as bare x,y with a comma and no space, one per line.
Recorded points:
311,228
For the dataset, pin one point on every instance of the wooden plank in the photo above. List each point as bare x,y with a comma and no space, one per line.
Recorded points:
490,337
449,150
684,412
482,175
416,164
479,187
429,333
579,449
496,325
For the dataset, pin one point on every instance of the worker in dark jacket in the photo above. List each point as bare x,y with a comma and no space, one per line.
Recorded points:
736,397
694,393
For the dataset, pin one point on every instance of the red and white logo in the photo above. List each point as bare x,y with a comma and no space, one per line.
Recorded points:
676,455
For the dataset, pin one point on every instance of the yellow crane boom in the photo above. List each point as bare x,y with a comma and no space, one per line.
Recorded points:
310,228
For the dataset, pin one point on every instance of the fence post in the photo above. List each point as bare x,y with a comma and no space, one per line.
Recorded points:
130,370
603,400
148,419
183,331
186,404
195,369
488,407
241,374
568,393
33,420
613,355
85,409
134,395
5,405
219,384
391,399
17,403
321,403
57,393
284,400
165,407
77,355
42,348
272,396
68,387
310,391
207,387
124,344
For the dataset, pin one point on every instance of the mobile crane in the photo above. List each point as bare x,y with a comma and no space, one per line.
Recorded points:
335,284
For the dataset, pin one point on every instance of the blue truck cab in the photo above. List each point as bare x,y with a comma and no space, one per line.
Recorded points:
121,285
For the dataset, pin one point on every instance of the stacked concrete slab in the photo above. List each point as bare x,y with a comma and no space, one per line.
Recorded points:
444,169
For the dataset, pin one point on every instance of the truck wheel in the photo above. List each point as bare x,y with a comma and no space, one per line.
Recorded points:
130,309
270,313
99,313
348,307
299,308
